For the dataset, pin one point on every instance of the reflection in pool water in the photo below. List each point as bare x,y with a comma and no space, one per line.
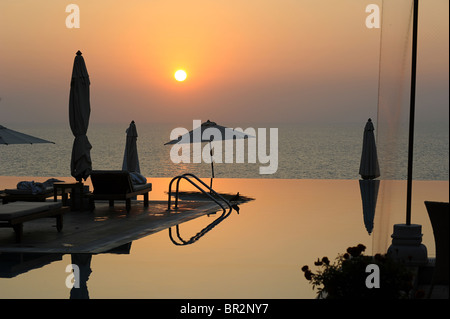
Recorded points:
257,253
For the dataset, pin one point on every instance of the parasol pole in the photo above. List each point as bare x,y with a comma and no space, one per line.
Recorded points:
212,164
407,238
411,112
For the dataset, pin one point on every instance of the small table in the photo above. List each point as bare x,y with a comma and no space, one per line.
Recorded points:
64,189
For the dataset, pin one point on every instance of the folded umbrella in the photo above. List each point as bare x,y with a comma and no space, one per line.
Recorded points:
79,113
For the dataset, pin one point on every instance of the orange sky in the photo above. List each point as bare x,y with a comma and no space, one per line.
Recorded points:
246,60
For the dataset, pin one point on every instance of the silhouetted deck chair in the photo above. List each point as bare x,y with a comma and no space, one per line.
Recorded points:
29,191
15,214
439,217
117,185
14,195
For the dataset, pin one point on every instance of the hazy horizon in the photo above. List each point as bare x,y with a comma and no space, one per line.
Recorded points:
247,61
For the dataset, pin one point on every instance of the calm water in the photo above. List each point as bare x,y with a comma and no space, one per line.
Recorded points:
325,151
309,209
256,254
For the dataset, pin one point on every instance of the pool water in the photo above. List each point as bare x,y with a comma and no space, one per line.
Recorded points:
257,253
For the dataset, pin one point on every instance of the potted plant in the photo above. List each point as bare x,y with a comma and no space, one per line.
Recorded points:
347,277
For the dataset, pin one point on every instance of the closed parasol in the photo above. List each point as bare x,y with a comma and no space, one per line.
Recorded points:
79,113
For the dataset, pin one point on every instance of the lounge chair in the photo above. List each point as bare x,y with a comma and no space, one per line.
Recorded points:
14,195
15,214
439,218
117,185
29,191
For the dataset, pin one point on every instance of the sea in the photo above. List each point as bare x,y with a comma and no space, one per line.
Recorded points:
299,151
310,207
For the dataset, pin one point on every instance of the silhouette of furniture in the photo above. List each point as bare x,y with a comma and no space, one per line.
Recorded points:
15,214
77,194
13,264
14,195
439,217
114,185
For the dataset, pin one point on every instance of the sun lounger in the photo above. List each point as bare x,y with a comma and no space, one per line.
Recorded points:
117,185
29,191
15,214
14,195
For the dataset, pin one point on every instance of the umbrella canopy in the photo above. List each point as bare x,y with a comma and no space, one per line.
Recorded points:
79,113
227,133
196,135
8,136
369,168
130,157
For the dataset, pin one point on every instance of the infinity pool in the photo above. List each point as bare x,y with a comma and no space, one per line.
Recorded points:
257,253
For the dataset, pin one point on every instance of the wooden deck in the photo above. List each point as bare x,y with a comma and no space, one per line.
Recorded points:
102,229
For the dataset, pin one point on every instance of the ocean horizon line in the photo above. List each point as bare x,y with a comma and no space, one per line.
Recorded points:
234,122
314,151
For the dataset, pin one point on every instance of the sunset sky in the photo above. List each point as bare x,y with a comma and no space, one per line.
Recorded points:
246,61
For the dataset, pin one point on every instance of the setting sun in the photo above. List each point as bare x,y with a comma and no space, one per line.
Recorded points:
180,75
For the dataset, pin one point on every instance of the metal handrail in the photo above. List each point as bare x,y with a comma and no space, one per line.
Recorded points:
200,234
208,187
211,191
185,176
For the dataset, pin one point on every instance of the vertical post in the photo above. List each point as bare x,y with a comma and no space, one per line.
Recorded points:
411,112
212,164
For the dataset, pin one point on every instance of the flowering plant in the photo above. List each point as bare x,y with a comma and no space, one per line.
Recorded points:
346,277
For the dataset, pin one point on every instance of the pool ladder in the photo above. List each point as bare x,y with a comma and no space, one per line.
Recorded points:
200,234
187,177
